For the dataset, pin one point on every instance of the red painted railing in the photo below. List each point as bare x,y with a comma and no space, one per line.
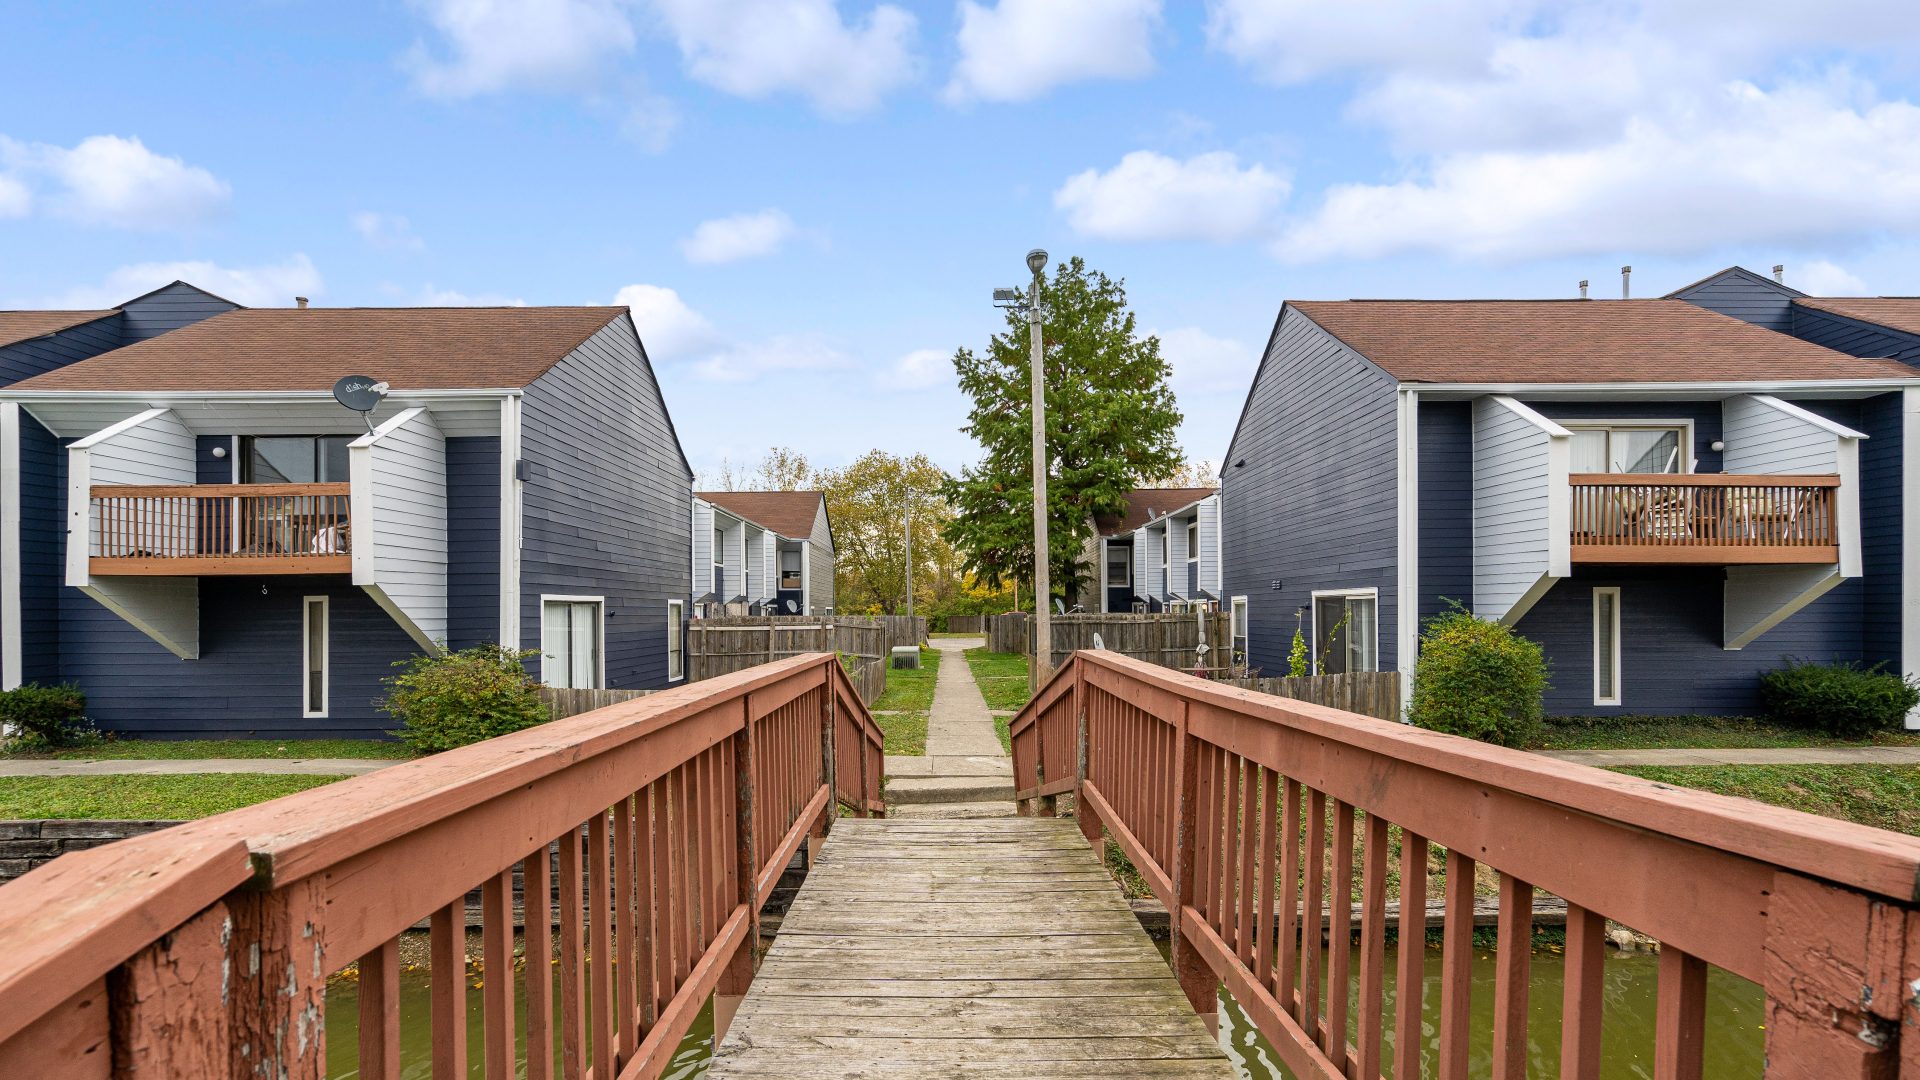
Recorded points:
204,950
1256,818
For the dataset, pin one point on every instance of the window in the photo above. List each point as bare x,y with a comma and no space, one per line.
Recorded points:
720,563
1119,566
1166,554
1193,541
294,459
676,642
1661,447
1345,632
1606,646
570,633
1238,608
790,569
313,650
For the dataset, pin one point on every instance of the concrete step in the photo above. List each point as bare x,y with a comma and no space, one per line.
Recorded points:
936,811
949,789
951,765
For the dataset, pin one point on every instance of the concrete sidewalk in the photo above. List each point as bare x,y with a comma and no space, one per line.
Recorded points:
964,772
189,766
1845,755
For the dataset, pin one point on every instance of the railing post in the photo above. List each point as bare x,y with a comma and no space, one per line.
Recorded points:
1833,977
1089,821
829,709
739,973
1189,967
168,1003
278,994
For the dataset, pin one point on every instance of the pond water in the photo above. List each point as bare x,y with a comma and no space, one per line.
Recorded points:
1735,1018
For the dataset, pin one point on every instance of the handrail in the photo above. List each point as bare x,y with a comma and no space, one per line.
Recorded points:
1701,480
1717,515
691,800
140,528
1208,790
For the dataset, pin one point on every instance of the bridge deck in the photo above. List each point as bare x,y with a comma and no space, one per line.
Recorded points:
991,947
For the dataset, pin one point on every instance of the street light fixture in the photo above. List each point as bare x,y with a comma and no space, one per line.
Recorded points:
1042,588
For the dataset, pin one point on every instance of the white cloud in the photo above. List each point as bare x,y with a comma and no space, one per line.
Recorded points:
495,45
1020,49
431,296
740,236
677,336
650,122
750,360
110,180
670,330
1150,196
919,370
1822,278
1700,175
1288,41
758,48
265,285
388,232
1204,364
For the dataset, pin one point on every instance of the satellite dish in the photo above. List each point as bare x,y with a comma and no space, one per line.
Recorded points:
792,607
361,393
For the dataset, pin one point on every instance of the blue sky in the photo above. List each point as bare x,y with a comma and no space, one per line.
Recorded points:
809,202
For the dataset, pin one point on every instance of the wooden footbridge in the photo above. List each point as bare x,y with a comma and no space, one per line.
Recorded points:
627,855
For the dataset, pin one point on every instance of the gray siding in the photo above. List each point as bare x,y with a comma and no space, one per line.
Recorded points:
1764,440
1446,505
402,477
1512,483
609,506
1745,296
821,563
170,308
1315,505
1209,514
473,540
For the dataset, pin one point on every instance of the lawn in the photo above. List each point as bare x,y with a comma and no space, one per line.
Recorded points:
1001,726
232,748
906,733
143,798
909,690
1883,796
1002,677
1691,732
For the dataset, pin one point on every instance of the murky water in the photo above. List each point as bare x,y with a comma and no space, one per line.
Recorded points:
1735,1019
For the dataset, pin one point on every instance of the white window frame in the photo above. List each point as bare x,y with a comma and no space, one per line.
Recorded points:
1107,552
676,614
1653,424
600,676
1238,610
1193,540
1614,592
326,656
1313,612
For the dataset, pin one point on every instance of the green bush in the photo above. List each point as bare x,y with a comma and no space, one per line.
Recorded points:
45,717
1840,699
463,697
1478,678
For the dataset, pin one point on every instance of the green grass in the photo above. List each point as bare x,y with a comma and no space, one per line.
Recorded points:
1692,732
234,748
909,690
148,798
1001,726
1002,677
1882,796
906,733
944,634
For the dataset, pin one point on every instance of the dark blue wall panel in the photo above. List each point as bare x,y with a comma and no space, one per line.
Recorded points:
1853,337
1745,296
608,510
1315,505
25,359
1446,505
473,541
43,515
170,308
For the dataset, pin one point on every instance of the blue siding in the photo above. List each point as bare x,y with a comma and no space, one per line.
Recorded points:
169,308
1744,295
25,359
608,510
43,515
1446,505
247,680
473,541
1854,337
1671,631
1315,505
1706,417
1881,469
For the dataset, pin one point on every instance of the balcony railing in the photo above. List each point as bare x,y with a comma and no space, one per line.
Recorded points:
198,529
1715,518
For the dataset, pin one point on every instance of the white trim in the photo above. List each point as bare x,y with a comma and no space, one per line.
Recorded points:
600,634
1528,414
1669,390
1910,530
83,397
1686,449
1614,592
1847,505
11,632
1559,518
1807,417
1313,618
510,512
1406,625
676,614
806,577
1239,626
326,656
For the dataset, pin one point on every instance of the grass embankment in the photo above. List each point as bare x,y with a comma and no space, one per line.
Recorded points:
1882,796
143,798
1693,733
901,710
1002,678
288,749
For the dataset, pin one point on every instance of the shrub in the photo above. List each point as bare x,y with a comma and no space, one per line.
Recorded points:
462,697
1478,678
1297,655
1840,699
45,717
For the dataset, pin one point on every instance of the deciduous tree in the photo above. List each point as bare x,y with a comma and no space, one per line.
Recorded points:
869,501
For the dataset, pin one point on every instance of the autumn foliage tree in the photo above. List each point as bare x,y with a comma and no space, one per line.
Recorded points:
1111,420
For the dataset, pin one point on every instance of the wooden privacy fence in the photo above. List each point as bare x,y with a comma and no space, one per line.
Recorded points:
1210,790
563,702
733,643
1167,639
1008,632
966,624
1369,693
204,950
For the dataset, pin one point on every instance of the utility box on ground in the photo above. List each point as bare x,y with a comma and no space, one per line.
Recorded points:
906,656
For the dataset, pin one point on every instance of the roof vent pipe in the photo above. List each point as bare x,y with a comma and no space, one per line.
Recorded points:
1583,288
1626,283
1780,273
300,302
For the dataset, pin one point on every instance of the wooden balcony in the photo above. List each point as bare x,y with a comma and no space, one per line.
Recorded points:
192,530
1721,519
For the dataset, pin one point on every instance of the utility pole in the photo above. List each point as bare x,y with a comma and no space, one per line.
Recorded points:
1042,588
909,493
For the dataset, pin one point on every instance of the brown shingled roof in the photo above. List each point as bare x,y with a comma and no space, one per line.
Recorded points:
308,349
789,513
1898,312
1149,504
1577,341
18,326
